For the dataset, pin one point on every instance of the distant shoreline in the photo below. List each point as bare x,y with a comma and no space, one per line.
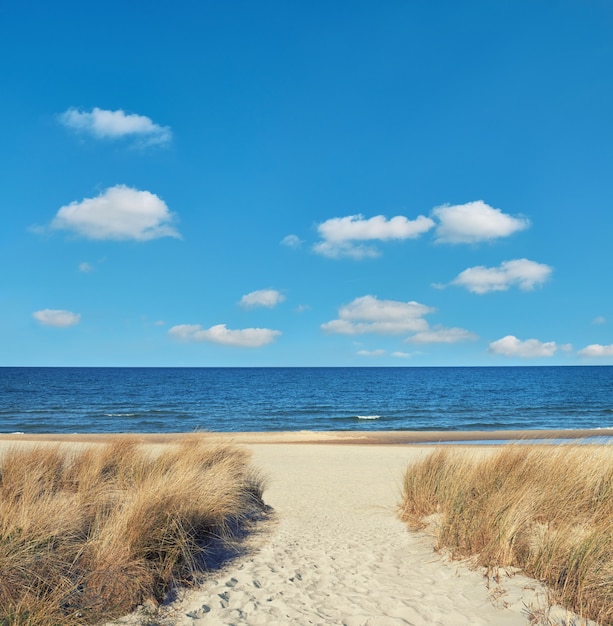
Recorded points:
347,437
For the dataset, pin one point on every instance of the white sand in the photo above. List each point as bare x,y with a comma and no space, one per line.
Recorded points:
337,554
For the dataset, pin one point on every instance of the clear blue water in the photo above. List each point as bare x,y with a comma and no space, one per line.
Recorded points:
99,400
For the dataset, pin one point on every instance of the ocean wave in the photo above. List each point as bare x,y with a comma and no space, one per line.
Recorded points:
120,414
368,417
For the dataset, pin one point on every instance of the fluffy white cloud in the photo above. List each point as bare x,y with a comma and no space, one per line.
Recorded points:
511,346
119,213
442,335
356,228
597,350
291,241
474,222
263,297
86,267
370,352
57,317
245,338
524,273
368,314
339,234
104,124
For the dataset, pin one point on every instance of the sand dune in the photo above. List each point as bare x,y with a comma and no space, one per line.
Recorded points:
337,554
334,551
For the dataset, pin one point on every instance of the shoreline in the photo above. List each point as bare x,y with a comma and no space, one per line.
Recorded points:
338,437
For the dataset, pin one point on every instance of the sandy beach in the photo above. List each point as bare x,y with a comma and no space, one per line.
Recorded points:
338,555
334,551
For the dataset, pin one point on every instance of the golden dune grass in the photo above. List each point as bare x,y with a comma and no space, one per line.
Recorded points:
88,535
545,509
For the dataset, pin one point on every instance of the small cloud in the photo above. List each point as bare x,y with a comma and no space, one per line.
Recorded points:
147,322
442,335
370,352
264,297
301,308
596,350
521,272
291,241
340,234
245,338
511,346
346,250
402,355
474,222
368,314
599,320
57,318
85,267
119,213
105,124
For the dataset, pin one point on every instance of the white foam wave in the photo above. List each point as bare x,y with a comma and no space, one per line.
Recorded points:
368,417
120,414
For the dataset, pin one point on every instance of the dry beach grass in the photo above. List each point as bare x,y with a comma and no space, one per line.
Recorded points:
87,533
545,509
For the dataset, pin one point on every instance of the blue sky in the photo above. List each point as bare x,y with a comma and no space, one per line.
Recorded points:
302,184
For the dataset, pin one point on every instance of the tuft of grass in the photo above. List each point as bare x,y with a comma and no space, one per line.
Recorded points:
88,535
545,509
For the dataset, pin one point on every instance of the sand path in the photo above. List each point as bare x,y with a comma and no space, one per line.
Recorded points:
337,554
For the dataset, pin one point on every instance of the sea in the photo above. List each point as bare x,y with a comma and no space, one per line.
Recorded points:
160,400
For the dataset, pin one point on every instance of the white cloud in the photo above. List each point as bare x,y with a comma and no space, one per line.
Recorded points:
86,267
291,241
597,350
474,222
337,250
511,346
402,355
57,317
521,272
442,335
118,213
368,314
339,234
371,352
599,320
246,338
104,124
263,297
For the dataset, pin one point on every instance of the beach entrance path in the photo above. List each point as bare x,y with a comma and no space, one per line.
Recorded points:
337,554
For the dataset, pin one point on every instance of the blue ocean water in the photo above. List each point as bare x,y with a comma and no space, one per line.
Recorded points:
101,400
